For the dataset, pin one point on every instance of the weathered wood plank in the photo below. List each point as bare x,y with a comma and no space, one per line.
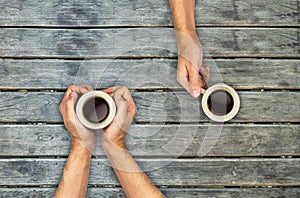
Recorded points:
147,140
145,13
59,74
160,107
174,172
146,42
169,192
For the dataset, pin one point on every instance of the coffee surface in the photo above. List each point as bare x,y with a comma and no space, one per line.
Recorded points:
220,102
95,110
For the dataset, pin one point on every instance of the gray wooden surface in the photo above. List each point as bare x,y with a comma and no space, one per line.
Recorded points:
164,107
251,140
145,42
169,192
188,172
59,74
251,45
145,13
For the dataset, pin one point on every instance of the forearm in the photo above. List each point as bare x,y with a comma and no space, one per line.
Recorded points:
75,175
133,180
183,15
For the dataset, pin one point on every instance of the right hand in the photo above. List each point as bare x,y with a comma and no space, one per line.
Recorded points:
115,133
191,73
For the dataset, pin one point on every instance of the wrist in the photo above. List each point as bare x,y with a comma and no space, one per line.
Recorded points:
113,145
183,37
191,31
113,141
81,149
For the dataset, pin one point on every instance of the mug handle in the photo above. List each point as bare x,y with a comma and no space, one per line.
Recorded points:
203,91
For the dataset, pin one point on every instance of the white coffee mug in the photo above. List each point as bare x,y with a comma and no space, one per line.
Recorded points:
96,109
220,102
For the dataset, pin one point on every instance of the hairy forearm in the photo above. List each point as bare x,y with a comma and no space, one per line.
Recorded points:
133,180
75,175
183,15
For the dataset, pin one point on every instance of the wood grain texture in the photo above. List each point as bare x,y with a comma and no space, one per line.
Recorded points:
47,33
145,13
144,74
146,42
169,192
160,107
148,140
174,172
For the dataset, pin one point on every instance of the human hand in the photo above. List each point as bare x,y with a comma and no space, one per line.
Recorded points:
191,73
115,133
81,136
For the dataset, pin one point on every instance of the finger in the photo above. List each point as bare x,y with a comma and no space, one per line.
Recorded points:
74,96
82,89
69,111
67,93
202,83
182,74
125,93
111,89
122,107
88,87
194,81
122,119
70,102
62,106
184,82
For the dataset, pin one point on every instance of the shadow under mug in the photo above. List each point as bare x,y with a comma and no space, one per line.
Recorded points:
96,109
220,102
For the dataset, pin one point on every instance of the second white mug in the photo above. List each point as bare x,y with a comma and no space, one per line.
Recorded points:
220,102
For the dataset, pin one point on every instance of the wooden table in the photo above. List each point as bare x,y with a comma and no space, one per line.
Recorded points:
253,44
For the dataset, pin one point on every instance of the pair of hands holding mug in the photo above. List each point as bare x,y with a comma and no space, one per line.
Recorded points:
113,134
133,180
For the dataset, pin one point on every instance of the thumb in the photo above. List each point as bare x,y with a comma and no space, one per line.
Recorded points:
195,83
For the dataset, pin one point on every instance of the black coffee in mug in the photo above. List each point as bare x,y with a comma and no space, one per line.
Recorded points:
95,110
220,102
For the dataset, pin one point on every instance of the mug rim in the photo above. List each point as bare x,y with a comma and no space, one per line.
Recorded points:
93,94
234,110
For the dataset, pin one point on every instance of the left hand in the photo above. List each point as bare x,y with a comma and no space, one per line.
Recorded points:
81,136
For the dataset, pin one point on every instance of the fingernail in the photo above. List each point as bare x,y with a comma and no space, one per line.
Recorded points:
196,92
